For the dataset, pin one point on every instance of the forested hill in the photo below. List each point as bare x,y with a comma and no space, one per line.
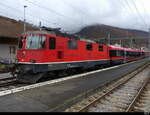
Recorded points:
102,31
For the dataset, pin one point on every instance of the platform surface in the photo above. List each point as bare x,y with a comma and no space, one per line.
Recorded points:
47,97
5,75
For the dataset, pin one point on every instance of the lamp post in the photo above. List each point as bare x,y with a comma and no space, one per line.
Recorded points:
24,20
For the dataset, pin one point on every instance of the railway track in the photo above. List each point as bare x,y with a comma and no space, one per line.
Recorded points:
11,82
121,96
7,81
142,103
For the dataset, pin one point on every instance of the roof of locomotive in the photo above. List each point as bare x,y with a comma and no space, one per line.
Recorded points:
39,32
61,35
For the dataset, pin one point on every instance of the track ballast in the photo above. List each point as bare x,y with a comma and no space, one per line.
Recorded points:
118,97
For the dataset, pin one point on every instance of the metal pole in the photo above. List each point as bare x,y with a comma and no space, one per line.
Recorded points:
40,25
24,20
127,33
149,44
131,43
120,43
109,39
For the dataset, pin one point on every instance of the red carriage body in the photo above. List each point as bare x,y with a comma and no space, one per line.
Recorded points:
41,52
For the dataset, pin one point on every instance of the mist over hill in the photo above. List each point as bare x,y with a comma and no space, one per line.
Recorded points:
97,32
15,28
102,31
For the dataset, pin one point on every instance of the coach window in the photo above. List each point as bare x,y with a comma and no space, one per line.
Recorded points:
72,44
118,53
127,54
89,46
52,43
122,53
113,53
100,48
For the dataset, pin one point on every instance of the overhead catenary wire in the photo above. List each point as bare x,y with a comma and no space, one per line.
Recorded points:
6,14
53,11
130,11
33,16
139,13
123,6
73,7
138,17
144,9
81,11
129,6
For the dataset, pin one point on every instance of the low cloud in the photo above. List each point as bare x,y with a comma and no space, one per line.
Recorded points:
72,15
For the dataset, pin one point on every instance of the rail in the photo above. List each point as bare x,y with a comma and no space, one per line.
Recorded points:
94,101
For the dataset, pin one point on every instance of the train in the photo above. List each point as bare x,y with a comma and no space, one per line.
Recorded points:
41,52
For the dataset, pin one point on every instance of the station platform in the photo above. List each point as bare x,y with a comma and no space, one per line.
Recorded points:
52,97
5,75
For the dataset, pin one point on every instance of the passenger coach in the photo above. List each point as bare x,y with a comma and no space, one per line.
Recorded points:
119,55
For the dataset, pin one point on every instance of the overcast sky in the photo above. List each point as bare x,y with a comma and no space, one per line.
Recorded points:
72,15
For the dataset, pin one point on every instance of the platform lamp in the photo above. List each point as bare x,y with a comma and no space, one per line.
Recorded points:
24,19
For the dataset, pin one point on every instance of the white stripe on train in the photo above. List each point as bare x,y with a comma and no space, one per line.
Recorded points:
64,62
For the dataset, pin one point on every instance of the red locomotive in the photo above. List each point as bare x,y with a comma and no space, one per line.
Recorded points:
42,52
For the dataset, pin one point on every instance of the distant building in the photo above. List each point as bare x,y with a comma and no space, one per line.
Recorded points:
8,48
9,31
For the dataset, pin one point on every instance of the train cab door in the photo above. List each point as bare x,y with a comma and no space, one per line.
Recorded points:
60,55
56,49
60,49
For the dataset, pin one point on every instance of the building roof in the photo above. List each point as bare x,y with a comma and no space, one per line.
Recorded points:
12,28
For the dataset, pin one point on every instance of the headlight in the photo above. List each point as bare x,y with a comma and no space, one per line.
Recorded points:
32,60
17,60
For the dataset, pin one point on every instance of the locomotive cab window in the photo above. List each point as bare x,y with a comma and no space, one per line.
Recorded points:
42,42
52,43
35,42
89,46
100,48
72,44
112,53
